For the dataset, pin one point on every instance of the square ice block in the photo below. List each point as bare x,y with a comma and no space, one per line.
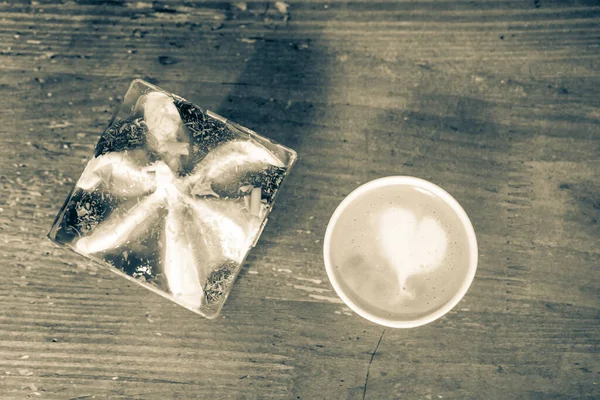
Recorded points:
174,198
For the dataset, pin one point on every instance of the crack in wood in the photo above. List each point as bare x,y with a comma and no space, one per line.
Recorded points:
371,362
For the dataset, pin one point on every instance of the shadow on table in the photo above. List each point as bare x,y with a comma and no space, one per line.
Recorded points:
275,95
275,92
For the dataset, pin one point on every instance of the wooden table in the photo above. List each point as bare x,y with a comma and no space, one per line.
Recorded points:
495,101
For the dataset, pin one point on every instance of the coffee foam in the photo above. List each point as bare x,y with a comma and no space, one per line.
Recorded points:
411,245
400,251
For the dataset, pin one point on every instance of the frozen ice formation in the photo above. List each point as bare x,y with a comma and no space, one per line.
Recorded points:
136,204
118,173
227,162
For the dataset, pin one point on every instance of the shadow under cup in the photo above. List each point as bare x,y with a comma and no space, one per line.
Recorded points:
400,251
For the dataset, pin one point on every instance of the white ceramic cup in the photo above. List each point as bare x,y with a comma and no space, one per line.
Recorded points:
374,186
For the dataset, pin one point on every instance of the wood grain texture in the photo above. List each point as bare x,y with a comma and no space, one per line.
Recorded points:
495,101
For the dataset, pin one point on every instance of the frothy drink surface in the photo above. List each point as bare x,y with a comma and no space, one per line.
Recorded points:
400,251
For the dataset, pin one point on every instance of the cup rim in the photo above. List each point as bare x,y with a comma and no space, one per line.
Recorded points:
448,199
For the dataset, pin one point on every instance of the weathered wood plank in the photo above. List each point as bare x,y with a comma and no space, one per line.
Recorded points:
495,101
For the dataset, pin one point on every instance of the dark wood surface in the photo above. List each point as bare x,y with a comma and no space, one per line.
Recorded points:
496,101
